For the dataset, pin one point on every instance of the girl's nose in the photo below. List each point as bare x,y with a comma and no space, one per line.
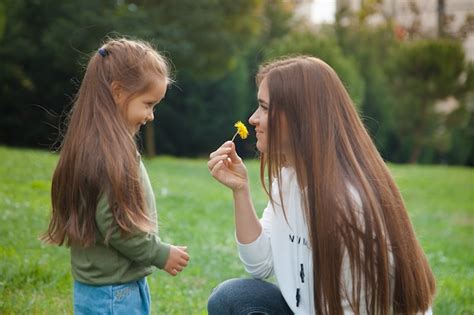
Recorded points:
151,116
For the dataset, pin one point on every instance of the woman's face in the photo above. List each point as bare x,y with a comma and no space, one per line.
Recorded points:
259,120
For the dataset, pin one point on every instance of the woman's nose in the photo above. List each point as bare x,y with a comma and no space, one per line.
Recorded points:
253,119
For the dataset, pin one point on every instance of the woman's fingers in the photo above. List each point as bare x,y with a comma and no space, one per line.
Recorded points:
224,149
234,157
219,165
226,153
212,162
226,166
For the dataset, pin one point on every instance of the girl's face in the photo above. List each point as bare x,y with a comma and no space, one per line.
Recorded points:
259,120
140,108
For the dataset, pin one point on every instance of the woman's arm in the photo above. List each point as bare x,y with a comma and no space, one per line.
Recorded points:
227,168
257,256
247,225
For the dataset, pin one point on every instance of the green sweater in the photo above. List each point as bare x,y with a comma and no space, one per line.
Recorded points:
124,259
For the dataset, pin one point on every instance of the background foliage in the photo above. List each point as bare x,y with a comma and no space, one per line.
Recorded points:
216,46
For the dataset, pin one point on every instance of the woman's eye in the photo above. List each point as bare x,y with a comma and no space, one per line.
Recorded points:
262,107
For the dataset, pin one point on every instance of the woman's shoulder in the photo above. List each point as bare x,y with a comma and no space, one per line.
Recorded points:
288,179
354,196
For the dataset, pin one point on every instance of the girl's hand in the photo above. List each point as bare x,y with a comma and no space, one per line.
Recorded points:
227,167
177,260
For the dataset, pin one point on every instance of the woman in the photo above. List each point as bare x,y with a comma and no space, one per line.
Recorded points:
335,233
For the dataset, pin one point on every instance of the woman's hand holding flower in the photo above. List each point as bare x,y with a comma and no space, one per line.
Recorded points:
227,167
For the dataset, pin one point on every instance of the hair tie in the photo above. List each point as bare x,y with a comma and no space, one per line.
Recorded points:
103,52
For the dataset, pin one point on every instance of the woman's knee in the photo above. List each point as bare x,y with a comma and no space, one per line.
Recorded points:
236,295
225,296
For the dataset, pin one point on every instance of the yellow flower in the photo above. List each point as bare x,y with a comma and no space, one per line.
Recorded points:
241,130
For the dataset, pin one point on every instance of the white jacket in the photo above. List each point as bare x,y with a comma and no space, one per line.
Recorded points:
283,249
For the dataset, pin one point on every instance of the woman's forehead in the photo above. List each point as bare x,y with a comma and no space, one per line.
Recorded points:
263,91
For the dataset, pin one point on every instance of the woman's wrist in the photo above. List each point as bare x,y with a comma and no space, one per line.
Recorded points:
241,190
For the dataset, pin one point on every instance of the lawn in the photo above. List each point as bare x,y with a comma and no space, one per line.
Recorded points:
196,211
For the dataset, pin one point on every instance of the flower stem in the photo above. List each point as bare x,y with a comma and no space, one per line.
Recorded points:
234,136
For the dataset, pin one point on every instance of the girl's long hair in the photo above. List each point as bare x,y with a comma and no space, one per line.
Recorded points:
98,156
332,151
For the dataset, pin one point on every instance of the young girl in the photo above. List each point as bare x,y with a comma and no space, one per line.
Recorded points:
103,205
335,233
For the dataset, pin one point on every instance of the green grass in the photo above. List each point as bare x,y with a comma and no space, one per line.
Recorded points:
196,211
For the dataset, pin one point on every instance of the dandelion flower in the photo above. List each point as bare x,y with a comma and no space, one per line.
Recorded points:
241,130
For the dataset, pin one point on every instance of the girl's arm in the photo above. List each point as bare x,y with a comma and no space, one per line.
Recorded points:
141,247
227,168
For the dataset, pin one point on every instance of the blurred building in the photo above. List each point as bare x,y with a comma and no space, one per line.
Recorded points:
316,12
425,16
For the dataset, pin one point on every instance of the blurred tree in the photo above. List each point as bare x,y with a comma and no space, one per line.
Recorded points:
432,82
460,148
278,19
40,50
449,136
3,17
324,46
195,123
43,41
369,47
208,42
206,37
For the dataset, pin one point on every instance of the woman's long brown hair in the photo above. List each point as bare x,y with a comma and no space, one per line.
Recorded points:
332,151
98,156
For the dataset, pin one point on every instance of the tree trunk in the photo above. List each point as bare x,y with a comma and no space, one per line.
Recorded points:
441,18
415,154
150,139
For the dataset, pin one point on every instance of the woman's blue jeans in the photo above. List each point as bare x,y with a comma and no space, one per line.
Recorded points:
127,298
246,296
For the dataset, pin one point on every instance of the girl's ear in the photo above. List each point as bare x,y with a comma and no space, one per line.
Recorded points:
118,93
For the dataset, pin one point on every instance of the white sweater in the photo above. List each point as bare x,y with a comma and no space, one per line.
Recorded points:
283,249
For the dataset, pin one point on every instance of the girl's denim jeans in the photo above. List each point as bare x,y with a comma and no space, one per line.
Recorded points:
127,298
247,296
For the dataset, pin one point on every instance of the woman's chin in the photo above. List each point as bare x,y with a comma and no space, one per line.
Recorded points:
261,148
